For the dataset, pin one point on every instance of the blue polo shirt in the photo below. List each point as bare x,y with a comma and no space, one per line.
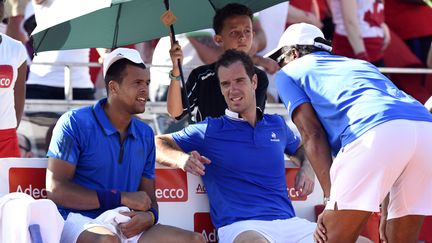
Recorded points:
86,138
349,96
246,177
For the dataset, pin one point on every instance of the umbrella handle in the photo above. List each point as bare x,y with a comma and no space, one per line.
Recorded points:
183,89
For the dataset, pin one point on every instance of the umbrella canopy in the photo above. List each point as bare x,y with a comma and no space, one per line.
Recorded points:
66,24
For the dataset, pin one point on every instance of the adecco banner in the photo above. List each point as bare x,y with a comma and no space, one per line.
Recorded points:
203,225
171,185
23,175
28,180
182,197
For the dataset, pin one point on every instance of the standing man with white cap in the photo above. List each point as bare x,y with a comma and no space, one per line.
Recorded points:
101,157
379,135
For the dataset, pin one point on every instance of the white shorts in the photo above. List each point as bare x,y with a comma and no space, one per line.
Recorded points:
275,231
76,223
393,157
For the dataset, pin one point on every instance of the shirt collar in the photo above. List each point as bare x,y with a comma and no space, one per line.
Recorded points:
105,123
236,116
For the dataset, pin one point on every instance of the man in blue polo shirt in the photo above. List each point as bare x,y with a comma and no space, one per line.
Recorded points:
102,157
241,159
379,135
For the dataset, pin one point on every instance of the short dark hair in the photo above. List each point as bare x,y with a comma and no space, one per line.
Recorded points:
116,70
306,49
231,56
228,11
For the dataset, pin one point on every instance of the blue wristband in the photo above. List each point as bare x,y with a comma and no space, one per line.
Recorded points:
108,199
155,213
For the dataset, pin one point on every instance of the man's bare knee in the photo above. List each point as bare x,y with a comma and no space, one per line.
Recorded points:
250,236
98,235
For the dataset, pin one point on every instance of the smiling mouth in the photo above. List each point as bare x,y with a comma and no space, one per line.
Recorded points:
143,100
236,99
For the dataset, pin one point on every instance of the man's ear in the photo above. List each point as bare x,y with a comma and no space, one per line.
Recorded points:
218,39
113,87
254,81
294,53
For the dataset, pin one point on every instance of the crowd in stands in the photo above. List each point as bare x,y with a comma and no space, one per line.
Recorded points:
394,33
390,33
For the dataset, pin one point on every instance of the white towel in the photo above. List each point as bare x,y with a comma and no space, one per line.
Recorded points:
111,219
76,223
19,210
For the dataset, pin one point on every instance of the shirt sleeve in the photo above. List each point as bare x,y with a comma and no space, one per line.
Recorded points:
261,91
191,137
64,143
291,94
149,168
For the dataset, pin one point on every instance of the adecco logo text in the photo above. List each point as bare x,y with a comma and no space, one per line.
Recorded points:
28,180
203,225
6,76
290,174
171,185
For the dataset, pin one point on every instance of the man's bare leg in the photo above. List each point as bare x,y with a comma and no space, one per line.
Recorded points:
405,229
169,234
344,225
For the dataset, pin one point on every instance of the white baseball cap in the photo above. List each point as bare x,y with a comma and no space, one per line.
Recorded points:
120,53
299,34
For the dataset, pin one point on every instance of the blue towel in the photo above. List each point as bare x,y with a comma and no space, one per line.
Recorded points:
35,233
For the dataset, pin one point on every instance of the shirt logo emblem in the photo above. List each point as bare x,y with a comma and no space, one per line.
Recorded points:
274,137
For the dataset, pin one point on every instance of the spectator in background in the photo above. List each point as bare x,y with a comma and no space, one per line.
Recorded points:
306,11
198,49
14,12
48,81
13,69
411,31
360,31
411,21
326,19
233,28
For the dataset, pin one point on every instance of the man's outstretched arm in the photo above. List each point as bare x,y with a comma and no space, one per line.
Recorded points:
168,153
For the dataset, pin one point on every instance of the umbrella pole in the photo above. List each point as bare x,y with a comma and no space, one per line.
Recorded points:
183,89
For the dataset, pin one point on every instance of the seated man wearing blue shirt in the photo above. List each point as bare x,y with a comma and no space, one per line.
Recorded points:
379,135
102,157
241,159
